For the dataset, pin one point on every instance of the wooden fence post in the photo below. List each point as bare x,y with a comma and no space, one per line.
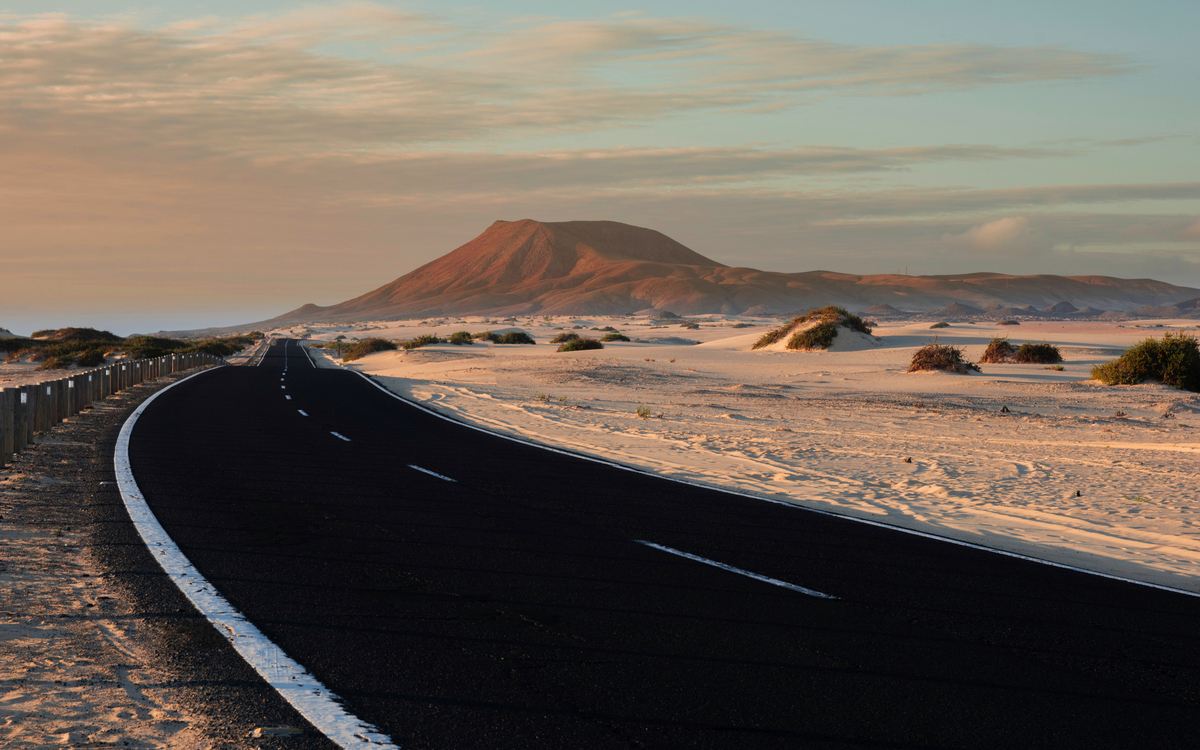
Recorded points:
23,433
7,426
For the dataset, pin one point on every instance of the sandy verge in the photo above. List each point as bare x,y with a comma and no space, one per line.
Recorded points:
94,651
1074,471
73,671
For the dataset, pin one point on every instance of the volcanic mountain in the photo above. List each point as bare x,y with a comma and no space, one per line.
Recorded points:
605,267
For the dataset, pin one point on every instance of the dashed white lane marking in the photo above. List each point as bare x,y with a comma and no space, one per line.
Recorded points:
728,491
431,473
289,398
739,571
283,387
303,414
339,435
313,700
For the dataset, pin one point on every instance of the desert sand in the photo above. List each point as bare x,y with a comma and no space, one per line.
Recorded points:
1074,472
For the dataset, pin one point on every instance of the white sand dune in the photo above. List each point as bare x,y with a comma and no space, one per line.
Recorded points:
1060,476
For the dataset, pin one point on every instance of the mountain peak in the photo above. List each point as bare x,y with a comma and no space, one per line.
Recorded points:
607,267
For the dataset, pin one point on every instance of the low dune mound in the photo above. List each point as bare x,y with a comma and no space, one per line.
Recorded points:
819,329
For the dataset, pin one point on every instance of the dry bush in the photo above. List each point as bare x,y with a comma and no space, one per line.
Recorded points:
369,346
579,344
1037,354
998,351
935,356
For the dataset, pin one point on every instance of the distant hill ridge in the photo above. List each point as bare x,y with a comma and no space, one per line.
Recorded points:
606,267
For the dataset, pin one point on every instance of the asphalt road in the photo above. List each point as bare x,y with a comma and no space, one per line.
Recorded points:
517,607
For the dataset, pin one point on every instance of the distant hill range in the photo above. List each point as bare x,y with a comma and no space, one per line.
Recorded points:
605,267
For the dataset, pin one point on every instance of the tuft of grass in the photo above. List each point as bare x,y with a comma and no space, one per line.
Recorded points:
563,338
999,350
644,412
57,363
614,336
91,358
940,324
365,347
515,337
512,337
1009,323
460,338
1058,368
1172,360
1037,354
935,356
580,344
820,336
413,343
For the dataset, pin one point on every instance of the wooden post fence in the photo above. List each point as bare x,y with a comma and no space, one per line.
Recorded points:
30,409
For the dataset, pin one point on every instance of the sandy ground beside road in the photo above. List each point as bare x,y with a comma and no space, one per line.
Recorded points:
1074,471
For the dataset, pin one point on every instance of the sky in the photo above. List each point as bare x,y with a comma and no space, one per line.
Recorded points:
184,164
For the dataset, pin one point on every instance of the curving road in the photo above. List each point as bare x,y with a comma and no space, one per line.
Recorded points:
460,590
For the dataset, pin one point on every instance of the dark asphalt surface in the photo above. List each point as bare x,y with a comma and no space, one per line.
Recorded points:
511,608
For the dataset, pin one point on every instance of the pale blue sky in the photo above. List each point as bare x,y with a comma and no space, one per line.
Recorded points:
177,152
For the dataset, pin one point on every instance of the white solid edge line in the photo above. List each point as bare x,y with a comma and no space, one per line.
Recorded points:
739,493
339,435
302,412
731,569
307,695
431,473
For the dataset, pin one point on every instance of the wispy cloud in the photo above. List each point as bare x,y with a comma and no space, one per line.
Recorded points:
268,84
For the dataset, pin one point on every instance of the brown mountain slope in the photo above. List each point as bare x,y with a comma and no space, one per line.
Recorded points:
605,267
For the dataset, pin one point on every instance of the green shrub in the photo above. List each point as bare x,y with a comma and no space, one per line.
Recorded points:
1173,360
935,356
773,335
91,358
460,338
940,324
606,338
1037,354
563,338
515,337
999,351
413,343
145,347
580,344
368,346
1009,323
819,336
216,347
18,344
57,363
